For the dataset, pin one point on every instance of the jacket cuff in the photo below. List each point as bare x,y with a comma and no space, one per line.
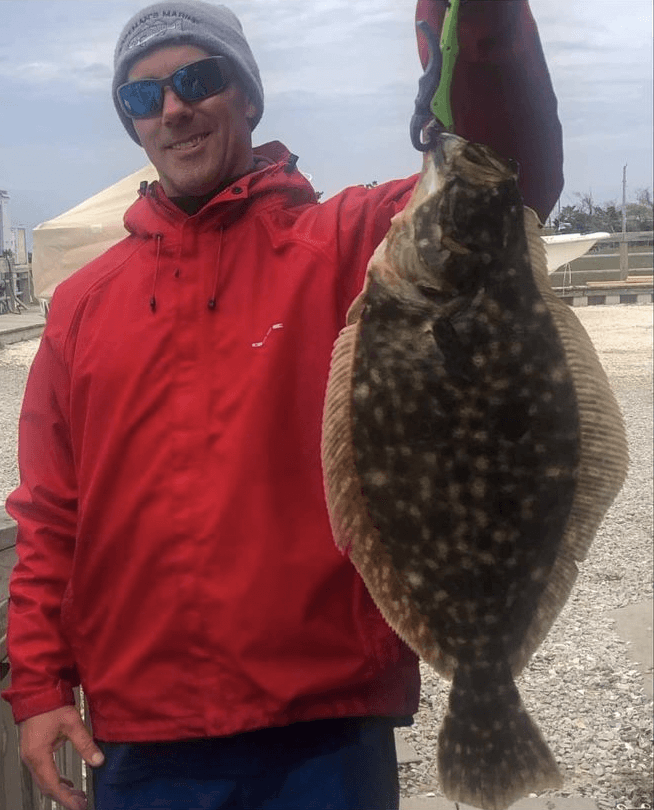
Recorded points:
25,704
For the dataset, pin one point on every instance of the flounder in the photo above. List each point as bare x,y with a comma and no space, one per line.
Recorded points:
471,447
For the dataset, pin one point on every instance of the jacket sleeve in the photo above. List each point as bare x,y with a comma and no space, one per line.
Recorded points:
363,217
502,94
44,505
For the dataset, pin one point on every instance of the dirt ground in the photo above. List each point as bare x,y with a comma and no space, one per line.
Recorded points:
622,335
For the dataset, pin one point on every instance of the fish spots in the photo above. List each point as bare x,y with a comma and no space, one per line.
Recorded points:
415,579
527,508
425,488
559,374
539,574
454,491
377,478
555,472
500,536
361,392
480,518
481,464
478,488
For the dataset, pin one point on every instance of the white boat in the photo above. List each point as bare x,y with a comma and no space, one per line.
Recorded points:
563,248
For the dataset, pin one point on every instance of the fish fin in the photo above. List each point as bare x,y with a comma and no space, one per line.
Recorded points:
604,456
354,532
343,493
490,752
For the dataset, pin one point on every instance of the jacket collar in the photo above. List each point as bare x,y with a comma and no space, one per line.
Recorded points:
274,182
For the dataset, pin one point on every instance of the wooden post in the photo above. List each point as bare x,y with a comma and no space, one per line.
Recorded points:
624,258
624,245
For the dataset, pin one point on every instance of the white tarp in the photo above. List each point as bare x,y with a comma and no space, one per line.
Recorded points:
71,240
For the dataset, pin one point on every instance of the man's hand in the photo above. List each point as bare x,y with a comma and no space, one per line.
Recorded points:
41,736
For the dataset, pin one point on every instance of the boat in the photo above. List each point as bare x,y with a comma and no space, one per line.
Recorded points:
563,248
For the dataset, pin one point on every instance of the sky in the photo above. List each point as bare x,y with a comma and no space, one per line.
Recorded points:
340,77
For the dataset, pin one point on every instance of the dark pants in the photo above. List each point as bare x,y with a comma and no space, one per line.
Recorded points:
344,764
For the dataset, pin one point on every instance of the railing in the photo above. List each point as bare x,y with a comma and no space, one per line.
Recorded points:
17,788
15,285
623,240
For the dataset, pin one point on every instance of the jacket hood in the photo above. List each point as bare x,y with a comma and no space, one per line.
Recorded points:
275,182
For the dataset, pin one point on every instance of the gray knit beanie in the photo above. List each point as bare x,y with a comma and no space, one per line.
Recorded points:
214,28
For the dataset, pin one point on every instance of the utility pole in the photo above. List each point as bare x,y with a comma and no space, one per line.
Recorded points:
624,245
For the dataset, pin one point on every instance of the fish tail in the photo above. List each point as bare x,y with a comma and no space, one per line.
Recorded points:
490,752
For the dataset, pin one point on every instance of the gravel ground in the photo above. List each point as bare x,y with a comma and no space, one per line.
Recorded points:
580,686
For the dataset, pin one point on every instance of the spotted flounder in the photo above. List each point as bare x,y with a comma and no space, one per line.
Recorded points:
471,447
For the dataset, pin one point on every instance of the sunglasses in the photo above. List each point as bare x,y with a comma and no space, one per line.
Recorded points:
144,98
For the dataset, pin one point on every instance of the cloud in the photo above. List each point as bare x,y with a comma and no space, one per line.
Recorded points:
340,77
74,46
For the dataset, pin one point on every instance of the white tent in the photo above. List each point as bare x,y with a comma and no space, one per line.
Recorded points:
69,241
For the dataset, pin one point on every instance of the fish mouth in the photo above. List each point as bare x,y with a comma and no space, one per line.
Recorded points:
473,163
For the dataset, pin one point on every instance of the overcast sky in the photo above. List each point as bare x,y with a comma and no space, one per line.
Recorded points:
340,77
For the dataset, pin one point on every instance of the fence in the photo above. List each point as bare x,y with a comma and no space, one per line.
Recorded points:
17,789
622,240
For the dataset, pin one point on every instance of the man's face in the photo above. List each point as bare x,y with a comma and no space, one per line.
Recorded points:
194,146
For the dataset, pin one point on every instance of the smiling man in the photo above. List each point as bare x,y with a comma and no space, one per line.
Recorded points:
175,554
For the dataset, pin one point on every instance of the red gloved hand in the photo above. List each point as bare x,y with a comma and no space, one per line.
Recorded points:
502,95
488,30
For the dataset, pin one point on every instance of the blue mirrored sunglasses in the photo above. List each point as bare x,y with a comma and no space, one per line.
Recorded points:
144,98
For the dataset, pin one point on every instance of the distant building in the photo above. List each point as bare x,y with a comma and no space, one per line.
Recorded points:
13,238
19,244
6,242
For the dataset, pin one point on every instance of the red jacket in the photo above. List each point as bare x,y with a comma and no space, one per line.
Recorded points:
175,553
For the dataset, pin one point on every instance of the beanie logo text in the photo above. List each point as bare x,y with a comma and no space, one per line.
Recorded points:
152,26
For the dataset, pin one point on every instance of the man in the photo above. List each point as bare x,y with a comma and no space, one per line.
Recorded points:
175,556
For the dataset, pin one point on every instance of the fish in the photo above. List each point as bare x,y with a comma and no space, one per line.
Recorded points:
471,446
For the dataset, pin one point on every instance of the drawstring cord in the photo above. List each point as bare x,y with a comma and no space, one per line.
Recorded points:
153,299
216,274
